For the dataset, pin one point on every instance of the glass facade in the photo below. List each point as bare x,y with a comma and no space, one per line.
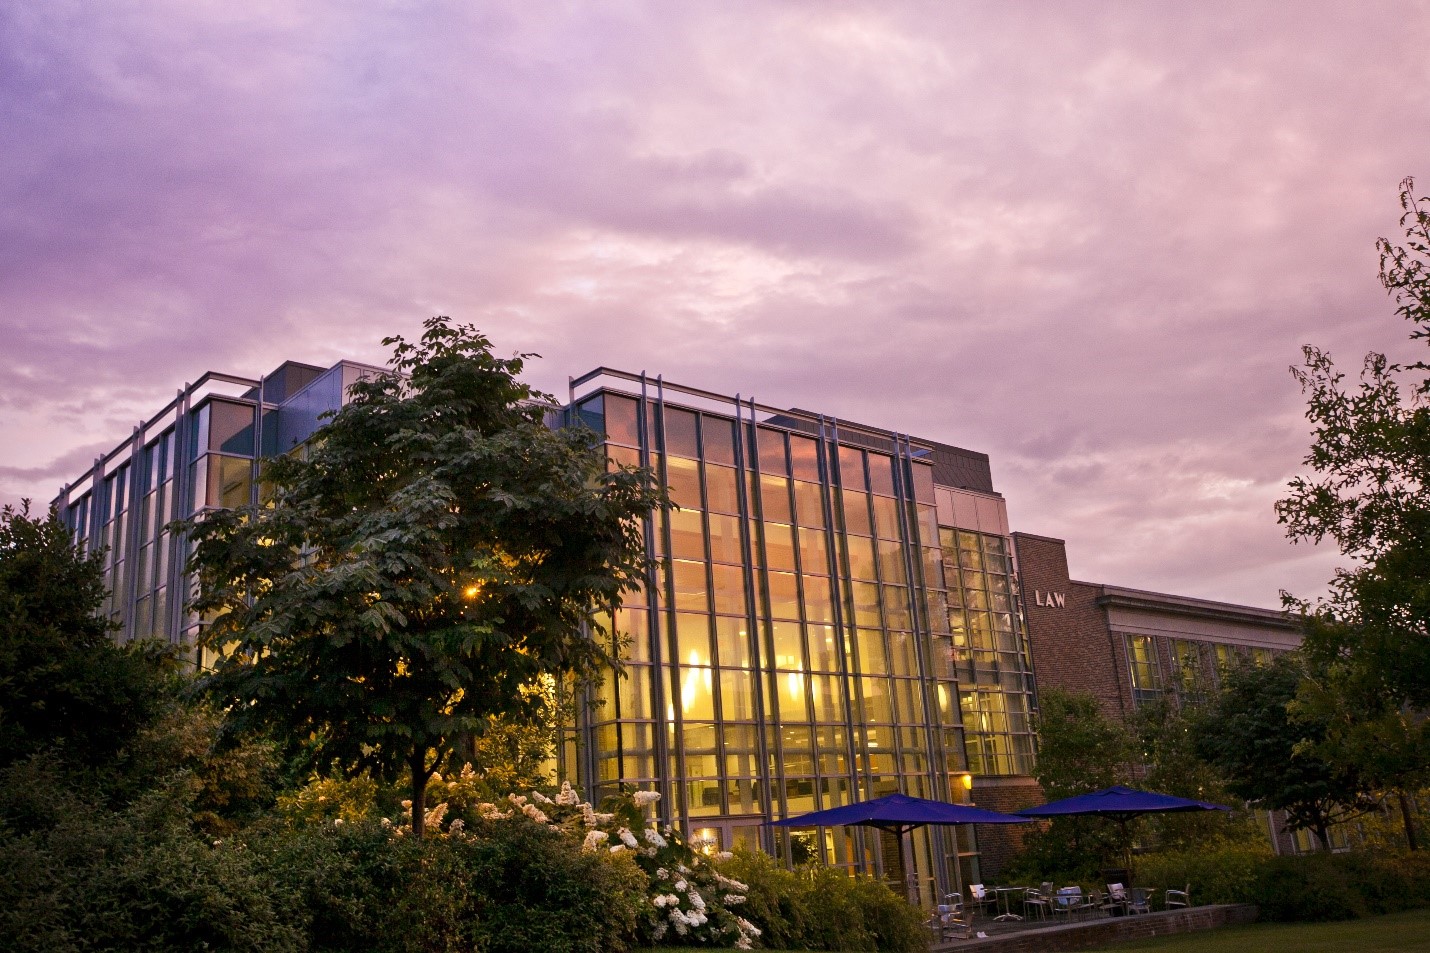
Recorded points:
200,451
792,651
991,655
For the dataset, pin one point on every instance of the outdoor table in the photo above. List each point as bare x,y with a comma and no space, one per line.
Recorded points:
1003,894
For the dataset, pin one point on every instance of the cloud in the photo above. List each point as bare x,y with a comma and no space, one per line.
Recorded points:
1085,239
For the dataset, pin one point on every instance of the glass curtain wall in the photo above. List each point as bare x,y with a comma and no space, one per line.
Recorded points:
782,660
991,653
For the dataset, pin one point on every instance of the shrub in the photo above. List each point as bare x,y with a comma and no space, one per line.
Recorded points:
774,901
95,879
817,908
1219,873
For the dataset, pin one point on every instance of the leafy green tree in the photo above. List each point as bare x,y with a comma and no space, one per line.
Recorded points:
1269,756
66,689
1368,640
435,554
1079,748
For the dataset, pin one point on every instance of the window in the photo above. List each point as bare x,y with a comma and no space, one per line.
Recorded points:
1146,672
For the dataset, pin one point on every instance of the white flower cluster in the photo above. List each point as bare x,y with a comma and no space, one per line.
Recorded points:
568,796
644,798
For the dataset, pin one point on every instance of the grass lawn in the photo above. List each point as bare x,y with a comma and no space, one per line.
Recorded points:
1397,933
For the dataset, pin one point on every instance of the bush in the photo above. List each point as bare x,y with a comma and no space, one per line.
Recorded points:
1220,873
1314,887
80,877
817,908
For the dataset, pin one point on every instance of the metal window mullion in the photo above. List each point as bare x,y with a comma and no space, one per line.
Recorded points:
677,803
745,506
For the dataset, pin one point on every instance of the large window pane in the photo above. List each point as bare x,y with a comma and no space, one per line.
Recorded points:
690,588
779,546
784,595
737,695
722,487
772,451
230,427
633,693
725,544
788,645
687,534
697,701
729,589
804,455
692,638
774,498
828,695
818,602
851,469
732,642
881,474
856,514
809,503
861,558
684,479
823,648
873,657
718,434
680,433
621,420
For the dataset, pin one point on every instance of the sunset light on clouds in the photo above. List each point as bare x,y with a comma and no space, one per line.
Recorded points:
1087,239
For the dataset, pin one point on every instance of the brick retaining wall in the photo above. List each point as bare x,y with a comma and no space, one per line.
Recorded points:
1094,933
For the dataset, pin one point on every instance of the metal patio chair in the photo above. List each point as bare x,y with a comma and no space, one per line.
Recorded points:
1178,898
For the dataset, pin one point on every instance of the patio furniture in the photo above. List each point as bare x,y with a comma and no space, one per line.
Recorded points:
1005,894
1067,901
1178,898
1140,901
980,898
1036,902
950,919
1116,903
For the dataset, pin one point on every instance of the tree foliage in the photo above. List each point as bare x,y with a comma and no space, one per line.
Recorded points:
1269,756
1079,748
65,687
432,557
1368,640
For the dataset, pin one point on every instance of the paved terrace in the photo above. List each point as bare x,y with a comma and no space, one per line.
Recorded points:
1041,936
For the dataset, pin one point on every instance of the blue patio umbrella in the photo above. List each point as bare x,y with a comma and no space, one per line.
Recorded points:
899,814
1121,804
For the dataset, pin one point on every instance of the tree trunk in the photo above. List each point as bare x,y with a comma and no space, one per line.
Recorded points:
418,764
1324,836
1405,815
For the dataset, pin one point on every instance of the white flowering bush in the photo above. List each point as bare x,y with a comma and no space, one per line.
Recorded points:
688,900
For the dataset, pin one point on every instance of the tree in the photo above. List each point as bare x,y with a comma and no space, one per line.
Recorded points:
1269,757
1368,641
1079,748
66,689
436,553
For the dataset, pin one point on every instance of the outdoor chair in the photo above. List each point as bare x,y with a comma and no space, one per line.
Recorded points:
1067,901
1084,905
1178,898
1140,901
1116,903
980,897
1036,902
950,920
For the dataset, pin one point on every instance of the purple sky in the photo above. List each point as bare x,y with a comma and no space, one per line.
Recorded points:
1085,238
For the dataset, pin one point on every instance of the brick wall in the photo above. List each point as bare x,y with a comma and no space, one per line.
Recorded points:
1072,647
998,844
1099,933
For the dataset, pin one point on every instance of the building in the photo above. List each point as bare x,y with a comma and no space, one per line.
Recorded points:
839,612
